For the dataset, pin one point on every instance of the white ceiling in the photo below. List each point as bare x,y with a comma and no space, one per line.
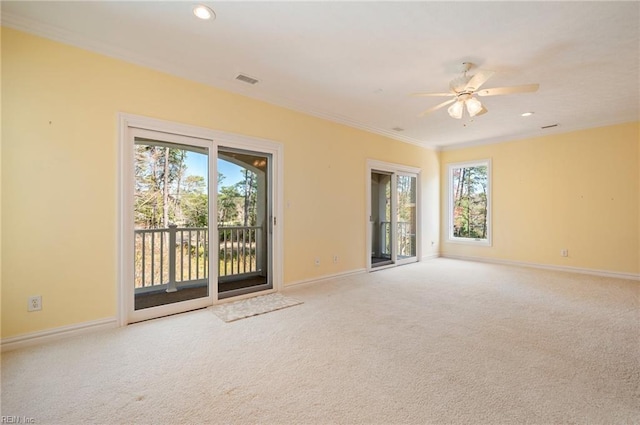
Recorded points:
357,62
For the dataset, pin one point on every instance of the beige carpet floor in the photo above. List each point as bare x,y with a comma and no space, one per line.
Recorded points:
439,342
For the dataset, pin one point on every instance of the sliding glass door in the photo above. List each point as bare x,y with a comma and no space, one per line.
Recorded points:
382,246
406,218
393,217
170,215
198,219
244,222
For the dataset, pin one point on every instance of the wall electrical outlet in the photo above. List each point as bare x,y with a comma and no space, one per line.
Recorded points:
35,303
564,252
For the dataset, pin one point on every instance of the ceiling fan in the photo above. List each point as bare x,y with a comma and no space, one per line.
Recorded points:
465,88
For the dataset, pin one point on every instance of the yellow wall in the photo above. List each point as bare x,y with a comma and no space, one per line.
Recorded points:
59,173
0,186
578,191
59,176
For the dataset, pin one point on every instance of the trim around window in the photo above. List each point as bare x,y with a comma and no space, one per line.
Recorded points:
469,202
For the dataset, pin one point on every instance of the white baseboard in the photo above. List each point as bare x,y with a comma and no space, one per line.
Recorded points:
593,272
429,257
325,277
36,338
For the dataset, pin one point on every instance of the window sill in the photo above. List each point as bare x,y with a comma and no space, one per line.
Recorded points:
468,241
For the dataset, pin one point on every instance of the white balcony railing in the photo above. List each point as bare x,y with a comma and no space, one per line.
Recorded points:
406,239
174,257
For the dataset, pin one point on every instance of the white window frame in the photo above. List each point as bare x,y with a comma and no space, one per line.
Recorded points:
467,164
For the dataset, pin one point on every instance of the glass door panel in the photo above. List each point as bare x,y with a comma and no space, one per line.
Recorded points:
244,222
381,220
171,219
406,217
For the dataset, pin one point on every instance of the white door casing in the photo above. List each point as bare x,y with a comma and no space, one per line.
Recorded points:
132,125
394,170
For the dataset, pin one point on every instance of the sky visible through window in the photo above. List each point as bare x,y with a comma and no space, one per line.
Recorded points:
197,166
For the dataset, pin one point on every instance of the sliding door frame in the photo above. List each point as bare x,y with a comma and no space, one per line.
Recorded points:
214,139
128,290
394,170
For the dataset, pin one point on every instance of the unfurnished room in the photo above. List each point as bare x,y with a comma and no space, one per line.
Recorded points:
324,212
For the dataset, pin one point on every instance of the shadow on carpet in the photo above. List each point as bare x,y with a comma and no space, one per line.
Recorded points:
253,306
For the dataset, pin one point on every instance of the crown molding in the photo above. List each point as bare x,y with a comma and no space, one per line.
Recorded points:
71,38
561,129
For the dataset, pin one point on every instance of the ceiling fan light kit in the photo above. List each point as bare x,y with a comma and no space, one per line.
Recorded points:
473,106
464,88
456,110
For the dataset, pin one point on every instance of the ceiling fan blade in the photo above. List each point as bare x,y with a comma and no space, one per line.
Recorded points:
529,88
442,105
483,111
481,76
433,94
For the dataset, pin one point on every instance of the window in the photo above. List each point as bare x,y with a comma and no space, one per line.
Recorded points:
470,202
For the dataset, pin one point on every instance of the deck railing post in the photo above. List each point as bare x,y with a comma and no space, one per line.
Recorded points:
171,287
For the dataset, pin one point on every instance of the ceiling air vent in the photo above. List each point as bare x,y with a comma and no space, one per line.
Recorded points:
549,126
246,79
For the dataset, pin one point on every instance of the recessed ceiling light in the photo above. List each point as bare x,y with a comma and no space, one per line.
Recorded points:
204,12
526,114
